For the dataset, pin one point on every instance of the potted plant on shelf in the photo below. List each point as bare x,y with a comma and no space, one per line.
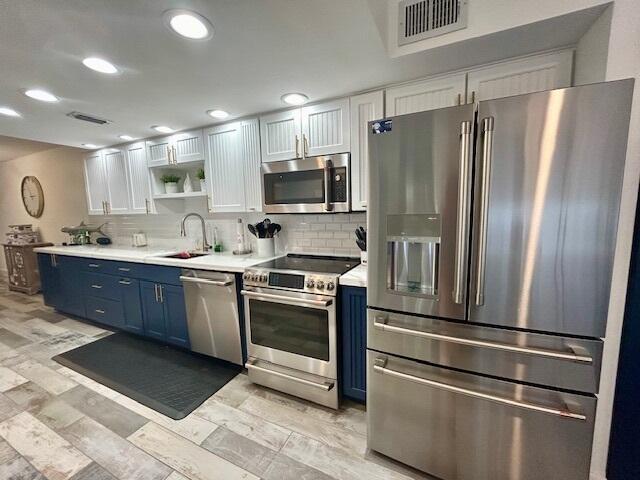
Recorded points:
203,183
170,183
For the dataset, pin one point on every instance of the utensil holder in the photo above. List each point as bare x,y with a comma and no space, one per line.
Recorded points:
266,247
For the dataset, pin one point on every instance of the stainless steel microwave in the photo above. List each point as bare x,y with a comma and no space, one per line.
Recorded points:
309,185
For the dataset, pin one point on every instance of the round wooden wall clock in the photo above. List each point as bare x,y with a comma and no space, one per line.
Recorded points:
32,196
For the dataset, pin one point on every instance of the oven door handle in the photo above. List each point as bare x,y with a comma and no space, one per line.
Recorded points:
326,386
283,298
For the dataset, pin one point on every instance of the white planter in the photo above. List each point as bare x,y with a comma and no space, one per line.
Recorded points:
171,187
266,247
203,185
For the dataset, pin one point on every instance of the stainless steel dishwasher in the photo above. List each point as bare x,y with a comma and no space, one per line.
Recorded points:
212,314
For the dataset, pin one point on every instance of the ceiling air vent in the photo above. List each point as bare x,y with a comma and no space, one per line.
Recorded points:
420,19
88,118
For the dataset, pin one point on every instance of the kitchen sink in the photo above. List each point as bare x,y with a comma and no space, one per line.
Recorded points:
186,255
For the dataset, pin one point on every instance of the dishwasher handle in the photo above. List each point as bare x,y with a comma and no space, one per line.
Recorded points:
217,283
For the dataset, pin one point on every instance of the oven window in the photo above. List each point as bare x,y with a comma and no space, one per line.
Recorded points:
290,328
306,186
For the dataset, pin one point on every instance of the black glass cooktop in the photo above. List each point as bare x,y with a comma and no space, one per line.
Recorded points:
311,263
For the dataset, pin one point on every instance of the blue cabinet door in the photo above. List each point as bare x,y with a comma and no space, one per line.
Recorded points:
354,342
50,280
175,315
71,280
152,310
131,305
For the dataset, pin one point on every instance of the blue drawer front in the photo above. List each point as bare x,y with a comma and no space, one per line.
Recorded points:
354,342
105,311
159,274
102,286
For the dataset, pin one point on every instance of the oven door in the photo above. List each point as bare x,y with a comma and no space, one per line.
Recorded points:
295,330
317,185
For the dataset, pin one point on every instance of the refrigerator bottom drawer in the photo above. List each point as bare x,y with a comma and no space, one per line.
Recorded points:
459,426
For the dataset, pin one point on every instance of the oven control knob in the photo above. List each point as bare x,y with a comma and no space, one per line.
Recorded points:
264,277
246,276
320,285
254,277
310,283
331,286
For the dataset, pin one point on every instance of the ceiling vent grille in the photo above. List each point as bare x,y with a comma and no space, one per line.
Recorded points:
88,118
420,19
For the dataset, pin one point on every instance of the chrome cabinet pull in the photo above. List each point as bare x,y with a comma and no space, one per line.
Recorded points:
124,282
326,386
94,265
108,204
380,367
297,301
217,283
328,206
124,269
155,289
459,99
462,227
487,152
305,145
54,260
101,312
175,155
146,205
98,287
161,294
381,324
297,146
169,155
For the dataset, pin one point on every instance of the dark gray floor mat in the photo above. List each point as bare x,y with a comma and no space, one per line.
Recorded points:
171,381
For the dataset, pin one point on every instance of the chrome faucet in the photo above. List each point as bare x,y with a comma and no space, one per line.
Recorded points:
183,232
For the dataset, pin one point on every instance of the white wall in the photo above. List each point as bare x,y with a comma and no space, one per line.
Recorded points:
623,62
590,61
60,173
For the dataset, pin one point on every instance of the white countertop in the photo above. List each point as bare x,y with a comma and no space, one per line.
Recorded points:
225,262
356,277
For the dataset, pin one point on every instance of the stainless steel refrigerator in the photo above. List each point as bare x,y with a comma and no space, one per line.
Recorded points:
492,232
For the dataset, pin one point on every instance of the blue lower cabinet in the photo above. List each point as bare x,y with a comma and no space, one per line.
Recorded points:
152,310
175,315
129,289
50,280
61,279
354,342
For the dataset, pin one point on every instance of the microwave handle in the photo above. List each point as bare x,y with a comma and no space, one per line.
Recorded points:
328,206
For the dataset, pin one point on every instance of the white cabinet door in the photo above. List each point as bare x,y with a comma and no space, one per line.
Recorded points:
159,151
115,168
188,146
250,156
140,200
426,95
527,75
364,108
281,136
225,168
95,183
325,128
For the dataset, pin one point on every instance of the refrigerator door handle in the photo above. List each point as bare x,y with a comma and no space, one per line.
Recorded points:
380,367
462,227
577,354
487,152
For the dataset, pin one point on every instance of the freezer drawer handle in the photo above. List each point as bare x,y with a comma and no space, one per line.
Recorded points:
380,367
487,153
294,301
326,386
462,227
381,323
216,283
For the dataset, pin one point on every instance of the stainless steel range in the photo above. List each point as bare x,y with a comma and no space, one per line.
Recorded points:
290,315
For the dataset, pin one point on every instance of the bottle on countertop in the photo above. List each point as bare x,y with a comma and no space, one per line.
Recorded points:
217,244
240,240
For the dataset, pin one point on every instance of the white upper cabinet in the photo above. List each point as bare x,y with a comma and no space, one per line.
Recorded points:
250,153
426,95
320,129
527,75
138,174
225,170
325,128
178,148
364,108
95,183
115,168
281,134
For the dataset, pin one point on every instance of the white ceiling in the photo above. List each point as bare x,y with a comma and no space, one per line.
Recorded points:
260,50
11,148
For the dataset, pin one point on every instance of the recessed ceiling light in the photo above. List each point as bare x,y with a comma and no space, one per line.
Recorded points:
99,65
219,114
163,129
295,98
89,145
189,24
41,95
9,112
125,137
